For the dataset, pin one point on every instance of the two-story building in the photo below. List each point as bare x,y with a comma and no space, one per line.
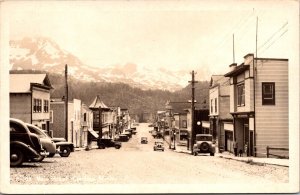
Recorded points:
86,124
57,124
221,126
29,96
259,104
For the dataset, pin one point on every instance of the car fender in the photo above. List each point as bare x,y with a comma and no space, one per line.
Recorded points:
69,144
25,148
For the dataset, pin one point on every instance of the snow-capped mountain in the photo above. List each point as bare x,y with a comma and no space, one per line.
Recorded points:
44,54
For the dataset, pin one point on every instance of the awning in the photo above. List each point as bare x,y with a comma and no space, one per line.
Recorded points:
94,133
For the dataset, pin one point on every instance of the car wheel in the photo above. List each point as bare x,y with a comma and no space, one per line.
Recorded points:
38,159
101,146
16,157
65,152
212,154
51,154
117,147
195,153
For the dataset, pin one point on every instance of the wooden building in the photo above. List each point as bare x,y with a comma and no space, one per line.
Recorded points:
259,104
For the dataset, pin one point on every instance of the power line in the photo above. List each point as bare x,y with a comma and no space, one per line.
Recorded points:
274,41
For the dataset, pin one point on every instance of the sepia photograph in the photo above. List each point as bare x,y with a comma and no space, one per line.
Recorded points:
158,96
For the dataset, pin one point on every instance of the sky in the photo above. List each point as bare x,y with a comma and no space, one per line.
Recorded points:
193,35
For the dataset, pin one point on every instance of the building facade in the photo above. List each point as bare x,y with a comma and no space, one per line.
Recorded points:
259,104
220,125
30,99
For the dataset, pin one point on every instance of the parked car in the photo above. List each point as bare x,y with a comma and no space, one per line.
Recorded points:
128,134
63,148
133,130
107,142
24,145
122,138
129,131
204,144
48,145
159,145
144,140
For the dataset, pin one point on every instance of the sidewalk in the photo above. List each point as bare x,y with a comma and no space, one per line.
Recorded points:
250,160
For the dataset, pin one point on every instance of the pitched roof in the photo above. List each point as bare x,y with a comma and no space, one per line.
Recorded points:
218,80
98,103
20,83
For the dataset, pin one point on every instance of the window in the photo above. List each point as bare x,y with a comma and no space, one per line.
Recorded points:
216,110
211,106
268,93
46,105
241,95
184,124
37,105
84,117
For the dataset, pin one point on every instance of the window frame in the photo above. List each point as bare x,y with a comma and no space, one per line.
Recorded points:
216,105
265,100
240,97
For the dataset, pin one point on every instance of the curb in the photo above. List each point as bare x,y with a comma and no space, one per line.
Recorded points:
252,162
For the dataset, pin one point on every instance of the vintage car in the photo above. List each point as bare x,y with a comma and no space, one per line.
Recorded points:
24,145
122,138
204,144
144,140
63,148
107,142
133,130
48,145
128,134
158,145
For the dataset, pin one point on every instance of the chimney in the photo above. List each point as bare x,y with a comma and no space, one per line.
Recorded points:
232,66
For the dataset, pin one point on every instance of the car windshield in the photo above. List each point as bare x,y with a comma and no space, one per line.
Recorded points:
204,138
37,131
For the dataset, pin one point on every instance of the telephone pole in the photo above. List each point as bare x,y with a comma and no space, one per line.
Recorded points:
66,102
193,110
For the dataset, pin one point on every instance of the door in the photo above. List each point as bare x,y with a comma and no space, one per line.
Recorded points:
246,139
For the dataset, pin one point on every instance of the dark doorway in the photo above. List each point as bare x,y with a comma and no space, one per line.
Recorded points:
251,144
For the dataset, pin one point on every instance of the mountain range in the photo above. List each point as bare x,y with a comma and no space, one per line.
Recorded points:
45,54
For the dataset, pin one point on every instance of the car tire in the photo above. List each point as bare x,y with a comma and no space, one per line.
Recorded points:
51,155
38,159
195,153
65,152
101,146
16,157
117,147
212,154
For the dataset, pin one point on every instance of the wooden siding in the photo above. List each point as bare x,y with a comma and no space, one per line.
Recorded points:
272,121
224,108
20,106
213,94
232,98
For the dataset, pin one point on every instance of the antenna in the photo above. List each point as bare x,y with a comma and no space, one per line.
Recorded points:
233,49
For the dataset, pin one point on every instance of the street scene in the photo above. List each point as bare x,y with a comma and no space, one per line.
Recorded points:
198,94
137,163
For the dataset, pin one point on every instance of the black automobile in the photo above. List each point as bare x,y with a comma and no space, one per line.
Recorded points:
133,130
24,145
144,140
122,138
107,142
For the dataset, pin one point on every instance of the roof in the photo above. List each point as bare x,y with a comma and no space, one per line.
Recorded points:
98,103
238,70
218,80
21,83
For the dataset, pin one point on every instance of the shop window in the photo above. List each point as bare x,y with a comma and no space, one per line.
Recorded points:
268,93
241,95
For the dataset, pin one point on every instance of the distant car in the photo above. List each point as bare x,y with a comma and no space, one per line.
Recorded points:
129,131
144,140
47,143
122,138
107,142
128,134
158,145
135,124
24,145
133,130
204,144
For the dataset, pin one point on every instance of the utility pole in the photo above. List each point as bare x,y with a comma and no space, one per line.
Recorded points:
193,109
66,102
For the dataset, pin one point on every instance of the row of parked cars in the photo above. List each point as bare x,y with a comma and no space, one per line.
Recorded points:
28,143
116,142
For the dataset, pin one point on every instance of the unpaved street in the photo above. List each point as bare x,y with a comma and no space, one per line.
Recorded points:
137,163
